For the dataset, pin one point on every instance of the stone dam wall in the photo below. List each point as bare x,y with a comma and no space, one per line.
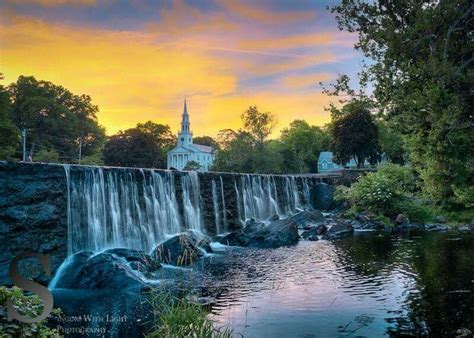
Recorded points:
38,203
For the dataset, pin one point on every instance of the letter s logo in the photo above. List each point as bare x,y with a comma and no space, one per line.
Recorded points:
29,285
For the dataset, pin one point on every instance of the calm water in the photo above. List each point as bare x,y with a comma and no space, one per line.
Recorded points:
367,285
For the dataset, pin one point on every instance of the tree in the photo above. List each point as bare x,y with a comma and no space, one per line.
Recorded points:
132,148
47,156
259,125
165,140
192,166
391,143
301,144
55,118
355,135
9,134
206,141
421,71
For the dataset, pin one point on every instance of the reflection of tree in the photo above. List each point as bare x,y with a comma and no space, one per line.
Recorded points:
366,255
444,267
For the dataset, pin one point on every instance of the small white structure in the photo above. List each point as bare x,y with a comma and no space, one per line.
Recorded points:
187,151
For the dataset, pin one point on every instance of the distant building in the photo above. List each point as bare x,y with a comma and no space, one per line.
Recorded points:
187,151
326,164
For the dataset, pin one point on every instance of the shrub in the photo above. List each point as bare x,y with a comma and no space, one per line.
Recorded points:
176,317
415,211
27,306
374,192
47,156
403,175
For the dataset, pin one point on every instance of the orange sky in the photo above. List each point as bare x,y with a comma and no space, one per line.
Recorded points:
140,62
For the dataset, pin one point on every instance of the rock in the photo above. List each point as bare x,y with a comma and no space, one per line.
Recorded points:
339,230
178,250
463,333
436,227
365,216
307,218
466,229
310,235
274,218
401,219
440,219
200,240
107,271
136,256
68,275
279,233
321,229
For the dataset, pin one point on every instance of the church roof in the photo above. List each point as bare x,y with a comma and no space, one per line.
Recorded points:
204,149
192,148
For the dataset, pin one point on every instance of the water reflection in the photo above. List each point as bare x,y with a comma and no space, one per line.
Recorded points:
367,285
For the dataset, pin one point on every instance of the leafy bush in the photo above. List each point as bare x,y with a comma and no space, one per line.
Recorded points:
27,306
415,211
47,156
176,317
403,175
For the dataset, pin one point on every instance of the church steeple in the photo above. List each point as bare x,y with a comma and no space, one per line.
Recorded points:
185,137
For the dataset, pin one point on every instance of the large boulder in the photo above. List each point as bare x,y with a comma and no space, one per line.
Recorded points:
339,229
307,219
138,260
255,234
105,271
178,250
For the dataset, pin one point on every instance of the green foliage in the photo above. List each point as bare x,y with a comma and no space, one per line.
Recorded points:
9,133
391,143
375,192
176,317
55,118
259,125
47,156
414,210
192,166
27,306
300,145
421,70
354,135
380,191
94,159
206,141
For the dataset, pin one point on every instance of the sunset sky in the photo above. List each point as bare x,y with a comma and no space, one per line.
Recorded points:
138,59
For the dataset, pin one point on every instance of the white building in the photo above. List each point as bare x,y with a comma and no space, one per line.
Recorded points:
187,151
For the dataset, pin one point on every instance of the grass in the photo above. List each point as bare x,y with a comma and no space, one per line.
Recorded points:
176,317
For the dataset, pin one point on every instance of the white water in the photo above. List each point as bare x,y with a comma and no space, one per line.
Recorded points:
128,208
111,207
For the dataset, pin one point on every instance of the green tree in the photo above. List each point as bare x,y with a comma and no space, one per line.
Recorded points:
391,143
47,156
192,166
301,145
259,125
165,140
132,148
421,71
355,135
9,134
55,118
206,141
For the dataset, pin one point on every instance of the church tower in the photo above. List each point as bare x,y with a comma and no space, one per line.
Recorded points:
185,136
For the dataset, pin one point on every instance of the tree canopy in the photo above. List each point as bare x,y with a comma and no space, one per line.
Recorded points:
9,134
422,75
55,118
354,135
145,146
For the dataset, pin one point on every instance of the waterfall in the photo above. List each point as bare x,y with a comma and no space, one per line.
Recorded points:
215,203
224,209
258,196
218,202
192,201
127,208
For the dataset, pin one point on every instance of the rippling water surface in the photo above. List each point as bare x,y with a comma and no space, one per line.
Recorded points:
366,285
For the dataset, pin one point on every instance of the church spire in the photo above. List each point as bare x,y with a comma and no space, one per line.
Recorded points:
185,135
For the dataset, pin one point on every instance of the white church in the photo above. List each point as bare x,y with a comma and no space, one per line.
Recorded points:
187,151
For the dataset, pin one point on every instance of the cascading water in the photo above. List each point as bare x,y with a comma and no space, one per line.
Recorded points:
127,208
258,197
218,202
